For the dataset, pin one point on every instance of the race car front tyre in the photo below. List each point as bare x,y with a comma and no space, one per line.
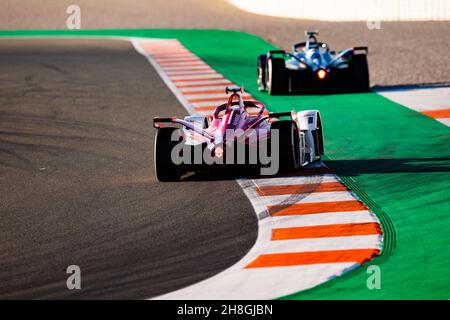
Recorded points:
288,145
262,63
276,78
165,169
360,73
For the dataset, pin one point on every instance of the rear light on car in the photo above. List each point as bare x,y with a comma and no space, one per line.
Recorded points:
218,152
321,74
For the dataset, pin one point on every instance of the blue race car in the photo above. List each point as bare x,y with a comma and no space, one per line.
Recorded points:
313,67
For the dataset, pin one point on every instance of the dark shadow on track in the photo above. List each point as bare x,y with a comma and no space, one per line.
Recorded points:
357,167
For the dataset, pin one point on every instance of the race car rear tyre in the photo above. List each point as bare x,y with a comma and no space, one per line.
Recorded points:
262,64
288,152
165,169
360,73
276,78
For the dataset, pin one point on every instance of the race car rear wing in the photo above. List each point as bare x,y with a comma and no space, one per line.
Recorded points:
158,123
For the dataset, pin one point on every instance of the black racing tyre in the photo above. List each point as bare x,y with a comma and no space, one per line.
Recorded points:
165,169
289,144
360,73
276,77
262,63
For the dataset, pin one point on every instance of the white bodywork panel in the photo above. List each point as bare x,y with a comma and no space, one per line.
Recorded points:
308,122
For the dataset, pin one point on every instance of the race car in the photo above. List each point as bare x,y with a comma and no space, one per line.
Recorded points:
238,134
312,66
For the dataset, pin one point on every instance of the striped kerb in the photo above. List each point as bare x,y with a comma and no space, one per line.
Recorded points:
300,188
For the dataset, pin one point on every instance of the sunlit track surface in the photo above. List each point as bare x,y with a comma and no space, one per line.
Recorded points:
311,228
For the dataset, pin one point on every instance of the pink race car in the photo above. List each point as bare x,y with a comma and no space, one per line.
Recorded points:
237,136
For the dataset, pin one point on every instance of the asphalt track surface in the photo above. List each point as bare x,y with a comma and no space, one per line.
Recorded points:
400,53
78,187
